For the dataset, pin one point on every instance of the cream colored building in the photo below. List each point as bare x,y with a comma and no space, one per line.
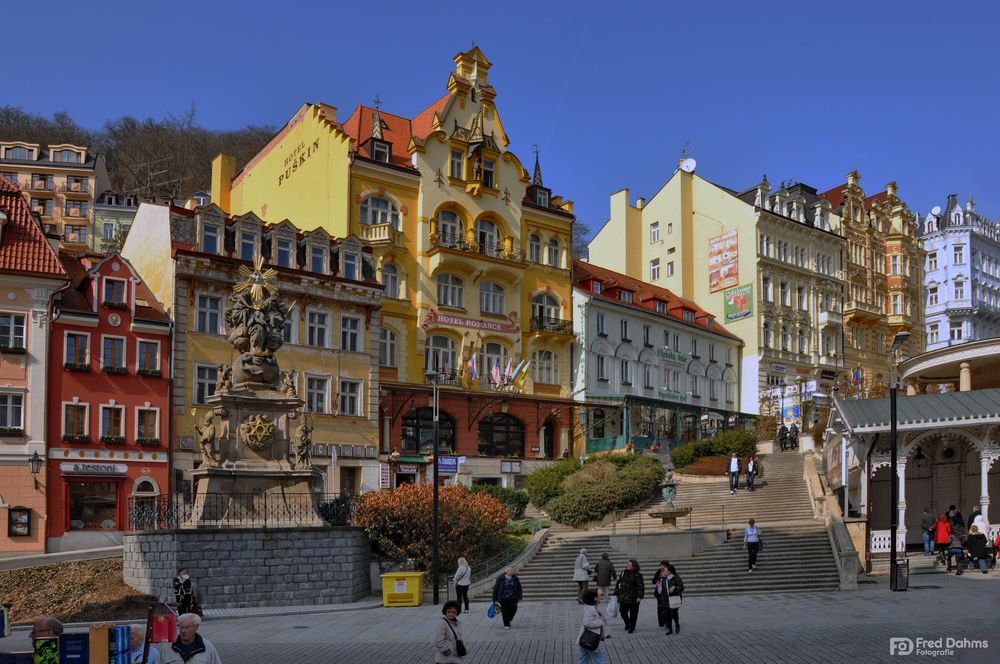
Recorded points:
766,264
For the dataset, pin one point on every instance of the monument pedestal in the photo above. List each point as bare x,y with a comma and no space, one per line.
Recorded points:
254,497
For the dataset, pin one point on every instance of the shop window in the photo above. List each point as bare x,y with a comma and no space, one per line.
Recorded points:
418,431
501,435
93,506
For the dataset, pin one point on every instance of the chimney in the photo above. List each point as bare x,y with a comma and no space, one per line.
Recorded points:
52,235
223,172
640,203
891,189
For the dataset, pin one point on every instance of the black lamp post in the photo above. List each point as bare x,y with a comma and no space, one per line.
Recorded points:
35,463
434,377
897,343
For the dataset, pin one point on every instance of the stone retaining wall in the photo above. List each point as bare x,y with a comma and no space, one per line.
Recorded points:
253,567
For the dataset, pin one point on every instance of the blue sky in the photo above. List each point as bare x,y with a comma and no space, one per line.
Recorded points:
611,91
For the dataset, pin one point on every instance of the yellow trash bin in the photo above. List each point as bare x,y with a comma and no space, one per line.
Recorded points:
402,588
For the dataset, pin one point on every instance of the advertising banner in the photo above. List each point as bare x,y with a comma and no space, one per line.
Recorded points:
738,303
723,262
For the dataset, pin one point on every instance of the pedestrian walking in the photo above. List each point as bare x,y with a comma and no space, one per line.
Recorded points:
752,543
604,575
977,519
463,579
594,622
942,534
448,645
975,546
659,586
190,647
783,436
752,467
183,590
734,473
793,436
956,550
630,590
673,597
927,522
507,593
955,517
137,633
581,574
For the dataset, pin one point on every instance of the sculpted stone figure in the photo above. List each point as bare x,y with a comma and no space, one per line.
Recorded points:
224,379
303,445
206,439
288,383
256,332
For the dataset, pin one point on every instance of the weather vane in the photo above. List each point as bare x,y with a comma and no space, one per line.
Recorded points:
259,283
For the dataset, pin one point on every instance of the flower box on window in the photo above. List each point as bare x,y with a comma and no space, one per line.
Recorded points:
13,349
112,304
152,373
148,442
69,438
72,366
11,431
115,370
113,440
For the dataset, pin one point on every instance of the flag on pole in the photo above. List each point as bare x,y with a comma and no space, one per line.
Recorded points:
496,373
447,368
510,367
473,371
518,369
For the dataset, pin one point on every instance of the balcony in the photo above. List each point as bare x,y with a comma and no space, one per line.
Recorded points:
82,187
829,360
382,234
900,320
489,249
42,185
551,325
856,310
830,319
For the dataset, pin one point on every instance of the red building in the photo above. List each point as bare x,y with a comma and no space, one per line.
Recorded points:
108,402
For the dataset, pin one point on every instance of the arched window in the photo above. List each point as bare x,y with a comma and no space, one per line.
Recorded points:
418,431
494,356
451,291
553,252
491,298
390,279
501,435
544,307
386,348
440,354
449,229
546,367
803,342
768,335
487,237
786,338
534,249
375,210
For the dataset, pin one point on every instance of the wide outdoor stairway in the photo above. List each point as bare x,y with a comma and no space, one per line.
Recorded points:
797,555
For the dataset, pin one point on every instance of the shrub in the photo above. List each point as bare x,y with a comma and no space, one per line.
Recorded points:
514,500
526,526
634,481
743,442
545,483
400,523
598,471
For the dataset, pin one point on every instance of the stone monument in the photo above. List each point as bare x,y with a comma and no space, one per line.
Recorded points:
255,441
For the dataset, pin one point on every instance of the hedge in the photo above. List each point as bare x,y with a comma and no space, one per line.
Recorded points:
743,442
545,483
514,500
634,480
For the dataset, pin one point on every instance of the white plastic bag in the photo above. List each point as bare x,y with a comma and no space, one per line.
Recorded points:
613,607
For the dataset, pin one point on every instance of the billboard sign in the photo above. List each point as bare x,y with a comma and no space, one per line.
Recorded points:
738,303
723,262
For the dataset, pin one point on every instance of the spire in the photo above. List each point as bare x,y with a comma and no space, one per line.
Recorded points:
376,119
536,178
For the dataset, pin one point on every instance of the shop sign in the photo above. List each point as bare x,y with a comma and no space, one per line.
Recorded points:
665,353
723,262
828,374
384,481
434,316
671,395
803,372
81,468
779,368
299,156
738,303
448,465
407,469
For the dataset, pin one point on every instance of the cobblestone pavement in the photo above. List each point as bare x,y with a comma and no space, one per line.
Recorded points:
794,627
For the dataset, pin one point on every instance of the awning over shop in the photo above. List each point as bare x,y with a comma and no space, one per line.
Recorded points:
411,459
924,411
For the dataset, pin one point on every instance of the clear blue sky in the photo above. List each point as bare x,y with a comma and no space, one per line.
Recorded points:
906,91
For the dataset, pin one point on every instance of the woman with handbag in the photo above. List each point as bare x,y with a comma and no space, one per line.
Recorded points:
673,597
593,629
630,590
507,592
448,644
463,579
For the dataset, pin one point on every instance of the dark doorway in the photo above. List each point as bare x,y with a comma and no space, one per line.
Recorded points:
549,438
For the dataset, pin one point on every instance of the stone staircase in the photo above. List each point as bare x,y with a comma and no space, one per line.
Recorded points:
797,555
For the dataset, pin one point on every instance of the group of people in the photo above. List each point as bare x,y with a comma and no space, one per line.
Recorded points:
788,439
955,546
735,466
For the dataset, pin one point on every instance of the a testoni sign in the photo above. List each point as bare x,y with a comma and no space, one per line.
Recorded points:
83,468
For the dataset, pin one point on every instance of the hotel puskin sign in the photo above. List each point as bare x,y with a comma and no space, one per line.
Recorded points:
723,262
299,155
434,316
738,302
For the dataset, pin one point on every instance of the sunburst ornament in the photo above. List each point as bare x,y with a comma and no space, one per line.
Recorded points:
259,282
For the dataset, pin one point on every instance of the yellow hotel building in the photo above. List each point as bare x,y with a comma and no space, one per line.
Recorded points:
473,251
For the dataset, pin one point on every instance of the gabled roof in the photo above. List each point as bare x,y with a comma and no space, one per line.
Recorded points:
835,195
395,130
23,247
423,123
921,411
74,298
644,292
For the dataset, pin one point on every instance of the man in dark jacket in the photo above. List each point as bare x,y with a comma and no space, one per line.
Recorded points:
955,517
793,436
975,545
659,587
927,528
604,574
630,590
782,437
507,593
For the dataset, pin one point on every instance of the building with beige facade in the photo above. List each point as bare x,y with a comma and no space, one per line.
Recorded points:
60,183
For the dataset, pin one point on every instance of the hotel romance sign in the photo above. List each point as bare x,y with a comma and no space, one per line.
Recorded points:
672,356
434,316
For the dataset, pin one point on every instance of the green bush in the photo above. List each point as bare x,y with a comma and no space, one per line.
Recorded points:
741,441
526,526
633,483
597,472
545,483
514,500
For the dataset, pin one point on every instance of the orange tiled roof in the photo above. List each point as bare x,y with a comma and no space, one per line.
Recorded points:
836,197
643,293
24,247
423,123
395,130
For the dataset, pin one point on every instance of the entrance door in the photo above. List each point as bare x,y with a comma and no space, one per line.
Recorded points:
348,479
548,439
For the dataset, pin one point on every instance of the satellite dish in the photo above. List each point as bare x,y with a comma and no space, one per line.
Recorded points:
936,210
688,165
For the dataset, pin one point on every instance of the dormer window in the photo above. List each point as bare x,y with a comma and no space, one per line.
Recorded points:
380,151
625,296
317,259
283,253
71,156
248,245
130,201
210,238
351,265
114,292
661,307
595,286
18,152
688,315
541,198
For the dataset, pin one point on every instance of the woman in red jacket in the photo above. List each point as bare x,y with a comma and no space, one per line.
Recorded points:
942,533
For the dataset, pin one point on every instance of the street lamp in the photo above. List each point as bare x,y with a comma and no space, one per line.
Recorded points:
897,343
434,378
35,463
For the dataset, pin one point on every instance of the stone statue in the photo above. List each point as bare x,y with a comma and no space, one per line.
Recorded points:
224,379
256,325
288,383
206,439
303,445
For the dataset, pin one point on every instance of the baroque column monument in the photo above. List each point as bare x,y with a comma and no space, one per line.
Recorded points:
255,441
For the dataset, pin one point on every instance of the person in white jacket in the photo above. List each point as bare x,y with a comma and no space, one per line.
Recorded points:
190,647
594,621
581,574
463,579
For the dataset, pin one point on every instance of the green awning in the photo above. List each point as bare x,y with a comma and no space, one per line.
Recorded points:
411,459
923,411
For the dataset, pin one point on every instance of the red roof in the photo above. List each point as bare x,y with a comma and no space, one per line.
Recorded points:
24,247
423,123
836,197
645,293
395,130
